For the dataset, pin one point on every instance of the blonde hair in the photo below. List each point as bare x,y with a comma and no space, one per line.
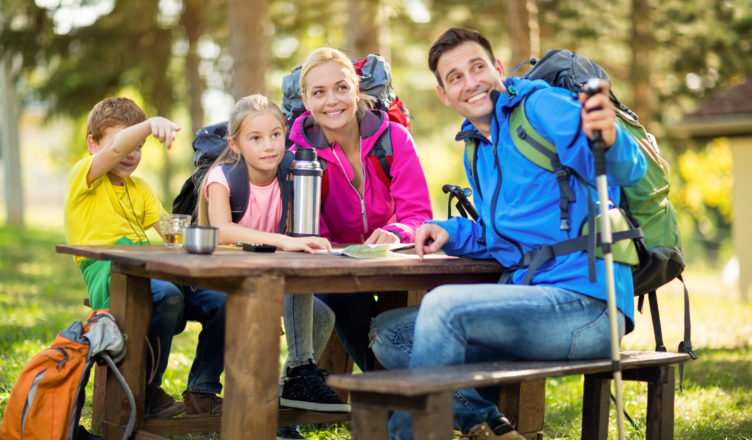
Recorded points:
327,54
246,107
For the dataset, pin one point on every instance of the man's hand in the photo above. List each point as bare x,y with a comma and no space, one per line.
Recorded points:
164,130
598,114
429,238
380,236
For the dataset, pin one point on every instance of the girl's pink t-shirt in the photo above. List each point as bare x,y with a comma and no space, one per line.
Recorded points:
264,210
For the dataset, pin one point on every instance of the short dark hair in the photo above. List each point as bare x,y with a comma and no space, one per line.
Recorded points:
451,39
113,112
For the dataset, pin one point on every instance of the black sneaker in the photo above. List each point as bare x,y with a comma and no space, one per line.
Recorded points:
289,433
304,388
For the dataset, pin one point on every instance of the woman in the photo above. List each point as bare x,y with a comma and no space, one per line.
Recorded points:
359,207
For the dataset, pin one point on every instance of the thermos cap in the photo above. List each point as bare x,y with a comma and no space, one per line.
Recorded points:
308,154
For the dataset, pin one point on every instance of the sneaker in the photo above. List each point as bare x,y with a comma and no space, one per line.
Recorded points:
161,404
304,388
202,404
497,429
289,433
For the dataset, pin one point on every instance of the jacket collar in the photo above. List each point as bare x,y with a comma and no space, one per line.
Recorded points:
307,133
516,90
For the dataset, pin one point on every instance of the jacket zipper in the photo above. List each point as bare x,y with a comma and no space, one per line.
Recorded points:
360,197
495,198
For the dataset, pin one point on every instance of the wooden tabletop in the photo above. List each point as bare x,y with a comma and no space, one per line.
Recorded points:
296,267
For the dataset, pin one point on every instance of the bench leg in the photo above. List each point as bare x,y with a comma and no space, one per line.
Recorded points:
660,413
369,423
595,406
433,418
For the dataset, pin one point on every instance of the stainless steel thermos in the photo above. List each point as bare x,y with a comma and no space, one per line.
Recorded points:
306,175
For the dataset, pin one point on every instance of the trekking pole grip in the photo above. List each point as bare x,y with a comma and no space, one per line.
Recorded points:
592,87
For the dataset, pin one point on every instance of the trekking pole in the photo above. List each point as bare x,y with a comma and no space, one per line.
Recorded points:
592,87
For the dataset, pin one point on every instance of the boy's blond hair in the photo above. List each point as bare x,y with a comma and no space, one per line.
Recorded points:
113,112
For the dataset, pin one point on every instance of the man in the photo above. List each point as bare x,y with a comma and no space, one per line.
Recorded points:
558,312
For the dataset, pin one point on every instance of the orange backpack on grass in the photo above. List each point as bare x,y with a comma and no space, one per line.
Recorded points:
46,401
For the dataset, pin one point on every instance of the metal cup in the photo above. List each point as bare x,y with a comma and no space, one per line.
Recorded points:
201,239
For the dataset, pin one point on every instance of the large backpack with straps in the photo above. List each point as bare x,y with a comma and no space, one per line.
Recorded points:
47,399
649,219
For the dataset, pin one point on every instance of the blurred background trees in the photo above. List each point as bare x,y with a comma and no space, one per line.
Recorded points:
190,59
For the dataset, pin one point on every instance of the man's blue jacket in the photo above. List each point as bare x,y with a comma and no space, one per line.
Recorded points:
518,202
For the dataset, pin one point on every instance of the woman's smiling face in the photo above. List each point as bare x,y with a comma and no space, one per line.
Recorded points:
331,96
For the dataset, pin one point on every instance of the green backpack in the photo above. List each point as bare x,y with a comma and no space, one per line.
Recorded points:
646,233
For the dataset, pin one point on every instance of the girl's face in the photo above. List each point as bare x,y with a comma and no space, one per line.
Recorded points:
331,96
261,142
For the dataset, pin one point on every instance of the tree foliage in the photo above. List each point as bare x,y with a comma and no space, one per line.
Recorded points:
664,57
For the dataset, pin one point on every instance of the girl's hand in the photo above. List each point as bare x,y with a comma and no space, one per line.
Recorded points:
305,244
380,236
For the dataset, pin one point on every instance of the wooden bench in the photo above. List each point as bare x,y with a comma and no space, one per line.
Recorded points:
427,393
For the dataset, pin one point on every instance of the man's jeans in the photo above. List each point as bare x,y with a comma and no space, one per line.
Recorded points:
459,324
208,308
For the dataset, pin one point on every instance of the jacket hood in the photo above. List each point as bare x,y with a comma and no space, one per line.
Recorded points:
305,132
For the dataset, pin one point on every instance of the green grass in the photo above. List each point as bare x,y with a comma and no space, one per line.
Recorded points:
41,293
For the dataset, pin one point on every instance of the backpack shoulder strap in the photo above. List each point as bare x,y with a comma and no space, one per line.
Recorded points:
529,142
541,152
382,154
237,178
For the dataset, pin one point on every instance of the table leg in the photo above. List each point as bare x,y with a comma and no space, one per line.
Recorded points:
252,359
131,306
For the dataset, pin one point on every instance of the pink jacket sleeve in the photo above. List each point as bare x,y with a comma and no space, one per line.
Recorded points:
409,188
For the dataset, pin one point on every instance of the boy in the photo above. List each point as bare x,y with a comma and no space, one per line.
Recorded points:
104,205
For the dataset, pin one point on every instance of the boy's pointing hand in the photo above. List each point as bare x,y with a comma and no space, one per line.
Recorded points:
164,130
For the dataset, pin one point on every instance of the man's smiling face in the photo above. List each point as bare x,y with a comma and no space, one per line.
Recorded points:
468,76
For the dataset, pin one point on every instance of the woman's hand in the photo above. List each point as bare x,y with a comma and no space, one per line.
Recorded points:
305,244
380,236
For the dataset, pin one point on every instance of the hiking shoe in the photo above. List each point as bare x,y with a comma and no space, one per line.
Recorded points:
304,388
161,404
502,430
202,404
289,433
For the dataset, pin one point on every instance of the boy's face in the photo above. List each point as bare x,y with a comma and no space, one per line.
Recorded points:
468,76
125,167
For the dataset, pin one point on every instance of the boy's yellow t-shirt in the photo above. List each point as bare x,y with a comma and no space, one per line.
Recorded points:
103,213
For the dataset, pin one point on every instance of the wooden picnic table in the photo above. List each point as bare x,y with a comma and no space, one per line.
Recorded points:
255,283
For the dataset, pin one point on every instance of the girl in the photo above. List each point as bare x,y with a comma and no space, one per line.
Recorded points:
256,139
359,208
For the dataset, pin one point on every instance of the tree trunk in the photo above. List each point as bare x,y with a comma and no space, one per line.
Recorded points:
643,99
367,28
194,25
523,29
10,150
249,43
